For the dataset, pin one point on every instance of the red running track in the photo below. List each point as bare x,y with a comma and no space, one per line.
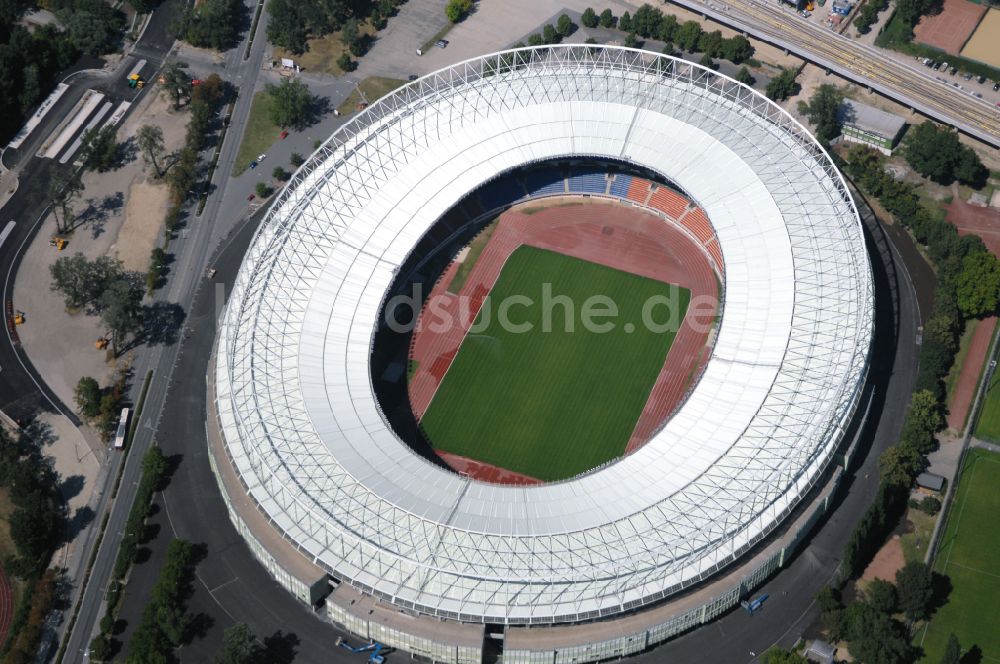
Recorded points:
618,236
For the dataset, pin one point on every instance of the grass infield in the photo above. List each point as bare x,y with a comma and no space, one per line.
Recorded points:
552,404
970,556
988,424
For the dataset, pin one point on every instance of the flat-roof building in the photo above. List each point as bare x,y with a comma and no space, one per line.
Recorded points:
871,126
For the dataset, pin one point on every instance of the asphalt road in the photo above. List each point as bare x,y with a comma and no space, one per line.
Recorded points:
906,82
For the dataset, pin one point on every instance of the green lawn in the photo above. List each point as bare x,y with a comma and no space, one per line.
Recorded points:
260,134
988,425
552,404
970,556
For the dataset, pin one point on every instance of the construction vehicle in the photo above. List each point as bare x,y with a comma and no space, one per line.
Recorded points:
135,81
374,647
19,318
58,242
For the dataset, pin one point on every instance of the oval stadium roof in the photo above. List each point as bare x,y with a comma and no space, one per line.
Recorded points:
296,402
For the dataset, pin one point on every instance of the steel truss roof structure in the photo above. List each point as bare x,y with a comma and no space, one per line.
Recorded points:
296,401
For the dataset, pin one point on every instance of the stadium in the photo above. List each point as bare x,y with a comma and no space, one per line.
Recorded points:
330,427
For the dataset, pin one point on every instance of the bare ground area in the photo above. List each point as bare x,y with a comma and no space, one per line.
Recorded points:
887,562
144,214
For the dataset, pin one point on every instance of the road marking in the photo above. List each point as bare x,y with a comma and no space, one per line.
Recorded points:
6,231
88,103
79,139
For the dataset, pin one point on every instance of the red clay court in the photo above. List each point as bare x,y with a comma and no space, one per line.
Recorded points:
950,29
612,234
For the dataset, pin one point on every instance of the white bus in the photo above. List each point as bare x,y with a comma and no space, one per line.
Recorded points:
122,430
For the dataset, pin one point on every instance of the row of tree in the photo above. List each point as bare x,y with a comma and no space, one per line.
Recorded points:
154,473
552,34
292,22
165,622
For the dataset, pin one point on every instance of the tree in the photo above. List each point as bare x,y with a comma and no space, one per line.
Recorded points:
81,281
149,140
737,49
296,159
345,63
937,153
952,651
915,587
745,77
63,192
625,22
33,527
882,596
263,190
291,103
899,464
92,26
101,648
176,82
688,35
456,10
707,61
279,174
607,19
100,148
977,286
87,396
238,646
589,18
711,43
211,24
565,25
631,41
823,110
875,636
782,86
535,40
776,655
120,312
287,27
549,35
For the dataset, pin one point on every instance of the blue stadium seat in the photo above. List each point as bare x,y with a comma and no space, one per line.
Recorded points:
500,193
619,186
545,181
585,180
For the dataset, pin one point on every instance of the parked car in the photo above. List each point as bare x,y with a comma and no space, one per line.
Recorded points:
253,165
283,135
251,197
261,157
441,43
953,70
996,86
981,79
968,76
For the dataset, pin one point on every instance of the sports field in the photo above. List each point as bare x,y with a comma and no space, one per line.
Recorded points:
988,424
970,556
551,403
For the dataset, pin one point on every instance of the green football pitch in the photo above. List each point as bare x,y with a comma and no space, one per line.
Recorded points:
970,556
551,403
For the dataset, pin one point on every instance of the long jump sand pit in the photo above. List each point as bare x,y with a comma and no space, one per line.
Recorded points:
950,29
984,45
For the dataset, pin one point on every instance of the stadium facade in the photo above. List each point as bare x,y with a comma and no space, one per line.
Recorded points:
303,450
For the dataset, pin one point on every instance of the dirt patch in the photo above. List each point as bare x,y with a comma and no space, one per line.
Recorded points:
887,562
950,29
982,46
144,214
983,221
